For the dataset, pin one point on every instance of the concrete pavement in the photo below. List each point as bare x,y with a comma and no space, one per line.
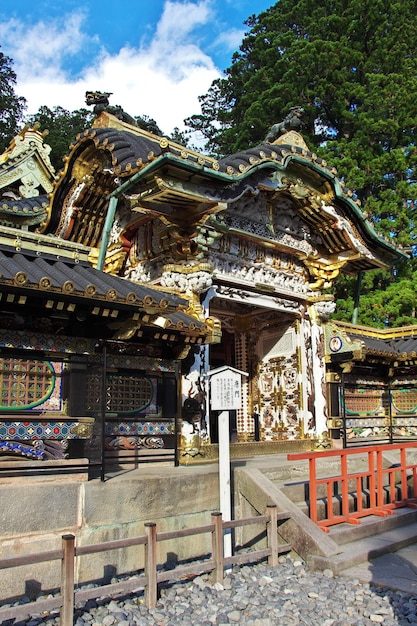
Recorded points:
395,571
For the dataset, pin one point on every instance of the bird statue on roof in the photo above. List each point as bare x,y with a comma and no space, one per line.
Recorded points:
292,121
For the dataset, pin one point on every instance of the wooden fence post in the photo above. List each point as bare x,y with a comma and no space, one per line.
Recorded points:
272,534
67,580
217,543
151,589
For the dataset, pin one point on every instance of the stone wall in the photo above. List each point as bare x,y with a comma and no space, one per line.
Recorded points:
35,513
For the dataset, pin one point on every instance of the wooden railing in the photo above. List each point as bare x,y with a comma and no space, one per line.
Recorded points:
376,490
68,596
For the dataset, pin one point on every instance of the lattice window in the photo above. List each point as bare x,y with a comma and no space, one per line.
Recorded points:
363,401
28,384
405,400
124,394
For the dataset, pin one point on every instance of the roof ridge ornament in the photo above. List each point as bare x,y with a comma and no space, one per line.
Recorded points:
290,122
100,101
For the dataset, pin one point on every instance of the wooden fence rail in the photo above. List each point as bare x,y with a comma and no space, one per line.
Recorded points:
68,596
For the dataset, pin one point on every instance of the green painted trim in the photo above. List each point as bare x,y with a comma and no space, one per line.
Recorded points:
265,164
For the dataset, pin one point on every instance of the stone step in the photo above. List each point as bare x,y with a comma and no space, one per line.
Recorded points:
363,549
372,525
322,504
300,491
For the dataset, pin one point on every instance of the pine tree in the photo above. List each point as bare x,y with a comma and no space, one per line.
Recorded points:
63,127
352,66
11,106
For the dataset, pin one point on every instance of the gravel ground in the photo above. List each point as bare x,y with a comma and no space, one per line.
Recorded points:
255,595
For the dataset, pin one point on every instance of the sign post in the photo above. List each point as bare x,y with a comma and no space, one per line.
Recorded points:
225,396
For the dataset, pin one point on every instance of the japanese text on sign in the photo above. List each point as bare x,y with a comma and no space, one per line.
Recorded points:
226,391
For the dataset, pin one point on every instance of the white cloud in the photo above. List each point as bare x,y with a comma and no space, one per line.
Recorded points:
39,50
161,78
230,39
179,20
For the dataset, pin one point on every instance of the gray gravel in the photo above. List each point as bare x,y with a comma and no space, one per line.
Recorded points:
255,595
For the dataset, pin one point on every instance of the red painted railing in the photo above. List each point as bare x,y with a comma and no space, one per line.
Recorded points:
375,490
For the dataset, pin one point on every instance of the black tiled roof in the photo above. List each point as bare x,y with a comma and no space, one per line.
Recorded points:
381,346
131,151
405,345
27,210
31,272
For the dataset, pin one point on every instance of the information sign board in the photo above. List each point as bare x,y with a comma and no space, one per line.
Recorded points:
226,390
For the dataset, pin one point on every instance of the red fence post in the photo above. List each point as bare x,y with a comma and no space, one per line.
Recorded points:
313,490
404,485
345,483
67,580
379,479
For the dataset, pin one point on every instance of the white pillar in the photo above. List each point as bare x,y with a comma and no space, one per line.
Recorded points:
224,478
319,372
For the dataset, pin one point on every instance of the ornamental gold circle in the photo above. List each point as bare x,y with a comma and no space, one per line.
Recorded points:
68,287
90,290
20,279
131,297
45,283
111,294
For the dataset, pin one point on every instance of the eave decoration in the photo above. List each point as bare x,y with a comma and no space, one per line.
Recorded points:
180,202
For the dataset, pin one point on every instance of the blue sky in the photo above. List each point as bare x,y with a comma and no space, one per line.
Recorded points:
156,57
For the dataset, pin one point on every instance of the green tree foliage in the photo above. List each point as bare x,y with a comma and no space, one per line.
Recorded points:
63,127
352,65
12,106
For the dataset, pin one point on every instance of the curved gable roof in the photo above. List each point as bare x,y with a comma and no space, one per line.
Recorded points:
135,156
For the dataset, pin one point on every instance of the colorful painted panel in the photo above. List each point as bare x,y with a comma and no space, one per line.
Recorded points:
30,385
29,341
38,450
135,435
45,429
367,428
404,400
140,428
403,427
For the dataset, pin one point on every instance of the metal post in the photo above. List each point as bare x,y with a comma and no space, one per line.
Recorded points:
256,426
177,412
391,425
111,211
343,401
357,299
103,413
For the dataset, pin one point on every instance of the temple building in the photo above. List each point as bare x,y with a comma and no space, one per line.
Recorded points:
143,265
